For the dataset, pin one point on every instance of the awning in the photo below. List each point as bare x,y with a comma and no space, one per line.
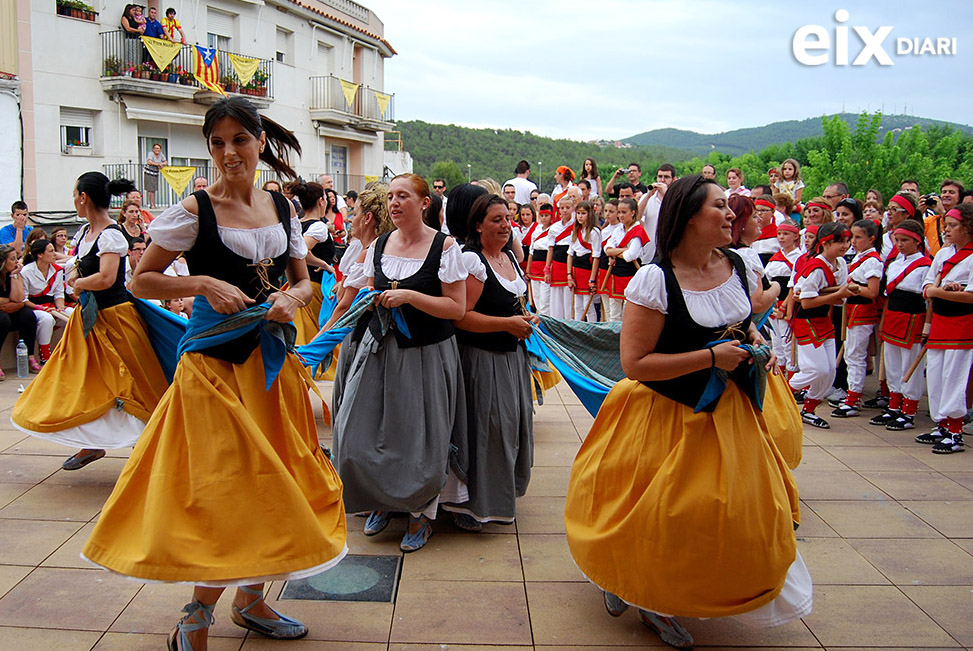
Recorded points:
161,110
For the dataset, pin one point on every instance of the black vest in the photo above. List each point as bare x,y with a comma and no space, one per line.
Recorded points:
90,263
211,257
680,334
423,328
323,250
495,300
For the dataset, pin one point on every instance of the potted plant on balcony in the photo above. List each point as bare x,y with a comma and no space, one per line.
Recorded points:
113,66
170,75
76,9
258,84
229,84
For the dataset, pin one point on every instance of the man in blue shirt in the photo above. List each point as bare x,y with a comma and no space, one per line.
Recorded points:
153,27
15,233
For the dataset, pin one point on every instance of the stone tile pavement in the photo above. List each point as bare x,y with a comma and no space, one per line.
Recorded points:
887,534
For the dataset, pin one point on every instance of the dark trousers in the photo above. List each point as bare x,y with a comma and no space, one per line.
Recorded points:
24,322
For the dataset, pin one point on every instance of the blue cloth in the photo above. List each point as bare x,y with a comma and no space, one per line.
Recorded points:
756,374
208,328
328,300
154,29
8,233
590,392
165,331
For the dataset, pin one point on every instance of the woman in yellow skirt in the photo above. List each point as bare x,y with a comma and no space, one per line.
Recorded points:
228,485
100,385
677,505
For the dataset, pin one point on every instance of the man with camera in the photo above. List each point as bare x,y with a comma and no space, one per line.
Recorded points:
634,172
935,208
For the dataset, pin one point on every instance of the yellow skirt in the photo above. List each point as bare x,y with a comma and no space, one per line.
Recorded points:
85,378
782,418
681,513
306,323
228,484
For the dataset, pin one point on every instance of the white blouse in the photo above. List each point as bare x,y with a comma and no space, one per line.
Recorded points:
541,241
476,268
961,273
35,282
451,267
594,239
176,230
776,268
556,229
871,268
725,303
755,268
109,241
915,281
353,272
811,285
634,249
318,231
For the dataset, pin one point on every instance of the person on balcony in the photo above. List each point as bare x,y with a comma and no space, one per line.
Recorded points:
132,46
171,26
150,176
153,27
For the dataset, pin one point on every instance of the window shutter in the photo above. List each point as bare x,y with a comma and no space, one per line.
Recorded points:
219,22
73,117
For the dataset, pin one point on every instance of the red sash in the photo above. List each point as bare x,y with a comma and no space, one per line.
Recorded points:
768,232
924,261
779,256
50,282
956,258
529,235
632,233
817,263
563,234
799,265
584,243
872,255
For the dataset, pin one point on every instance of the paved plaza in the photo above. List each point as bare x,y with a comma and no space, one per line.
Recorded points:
887,534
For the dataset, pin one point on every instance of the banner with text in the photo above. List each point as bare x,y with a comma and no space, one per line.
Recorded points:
177,177
349,89
244,67
161,50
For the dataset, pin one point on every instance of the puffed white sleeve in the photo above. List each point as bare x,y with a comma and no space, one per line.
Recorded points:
451,267
368,264
595,243
809,286
175,229
755,268
634,250
474,266
297,247
112,241
648,289
873,268
318,231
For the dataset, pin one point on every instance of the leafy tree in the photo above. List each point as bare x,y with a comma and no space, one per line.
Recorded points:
448,171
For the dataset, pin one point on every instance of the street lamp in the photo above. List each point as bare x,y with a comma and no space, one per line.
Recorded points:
540,174
469,173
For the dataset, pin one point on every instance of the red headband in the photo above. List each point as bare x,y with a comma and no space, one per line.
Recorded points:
901,201
813,229
822,206
955,214
763,202
790,228
547,212
906,232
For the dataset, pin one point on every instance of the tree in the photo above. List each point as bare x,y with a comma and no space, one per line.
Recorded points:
448,171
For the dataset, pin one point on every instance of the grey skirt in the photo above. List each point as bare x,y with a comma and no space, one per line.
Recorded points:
150,182
346,355
500,423
400,426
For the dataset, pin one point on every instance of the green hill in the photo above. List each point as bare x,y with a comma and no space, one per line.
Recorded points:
741,141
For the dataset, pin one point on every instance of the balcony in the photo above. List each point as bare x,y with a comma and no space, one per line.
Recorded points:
328,105
128,68
165,195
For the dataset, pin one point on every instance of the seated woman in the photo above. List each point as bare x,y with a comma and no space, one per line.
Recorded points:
14,311
44,282
699,523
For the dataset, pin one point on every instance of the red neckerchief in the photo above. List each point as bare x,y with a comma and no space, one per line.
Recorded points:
768,232
584,243
633,232
871,255
780,256
922,261
818,263
956,258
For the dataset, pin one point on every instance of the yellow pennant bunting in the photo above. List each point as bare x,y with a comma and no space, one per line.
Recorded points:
177,177
383,102
162,51
244,67
349,89
256,176
370,179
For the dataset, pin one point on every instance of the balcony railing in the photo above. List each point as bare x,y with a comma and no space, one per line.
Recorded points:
165,195
328,97
127,57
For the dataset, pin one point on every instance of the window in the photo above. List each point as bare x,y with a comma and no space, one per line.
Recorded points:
285,46
325,60
219,28
76,125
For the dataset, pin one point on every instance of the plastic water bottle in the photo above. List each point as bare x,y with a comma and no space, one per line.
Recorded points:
22,370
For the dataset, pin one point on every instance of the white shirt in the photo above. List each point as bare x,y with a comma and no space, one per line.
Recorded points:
811,285
871,268
35,282
353,272
650,222
755,268
961,273
593,238
523,189
451,267
725,303
915,281
557,228
475,267
634,249
778,268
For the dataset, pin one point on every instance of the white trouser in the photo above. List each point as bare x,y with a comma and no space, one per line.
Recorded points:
561,302
817,370
856,355
946,376
45,325
542,296
782,347
616,306
897,362
580,300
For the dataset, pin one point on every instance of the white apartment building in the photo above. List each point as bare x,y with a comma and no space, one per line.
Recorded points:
76,96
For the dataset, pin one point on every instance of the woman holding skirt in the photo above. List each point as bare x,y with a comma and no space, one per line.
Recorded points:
496,372
400,430
699,523
228,485
100,385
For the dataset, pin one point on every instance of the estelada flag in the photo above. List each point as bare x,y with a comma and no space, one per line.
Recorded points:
207,68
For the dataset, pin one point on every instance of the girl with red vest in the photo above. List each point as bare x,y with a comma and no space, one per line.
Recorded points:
865,276
902,325
624,248
766,244
949,285
537,259
583,258
780,268
556,271
812,325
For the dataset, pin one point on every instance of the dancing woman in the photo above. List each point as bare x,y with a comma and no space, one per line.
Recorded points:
699,523
228,485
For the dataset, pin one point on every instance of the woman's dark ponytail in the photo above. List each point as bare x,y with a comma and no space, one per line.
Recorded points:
280,141
100,189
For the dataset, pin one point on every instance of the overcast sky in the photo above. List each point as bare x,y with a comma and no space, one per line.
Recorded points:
613,68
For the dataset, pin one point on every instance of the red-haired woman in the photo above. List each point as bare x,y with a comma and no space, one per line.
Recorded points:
564,177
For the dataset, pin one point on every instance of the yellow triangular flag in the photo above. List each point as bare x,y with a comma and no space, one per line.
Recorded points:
349,89
244,67
383,102
162,51
370,179
177,177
